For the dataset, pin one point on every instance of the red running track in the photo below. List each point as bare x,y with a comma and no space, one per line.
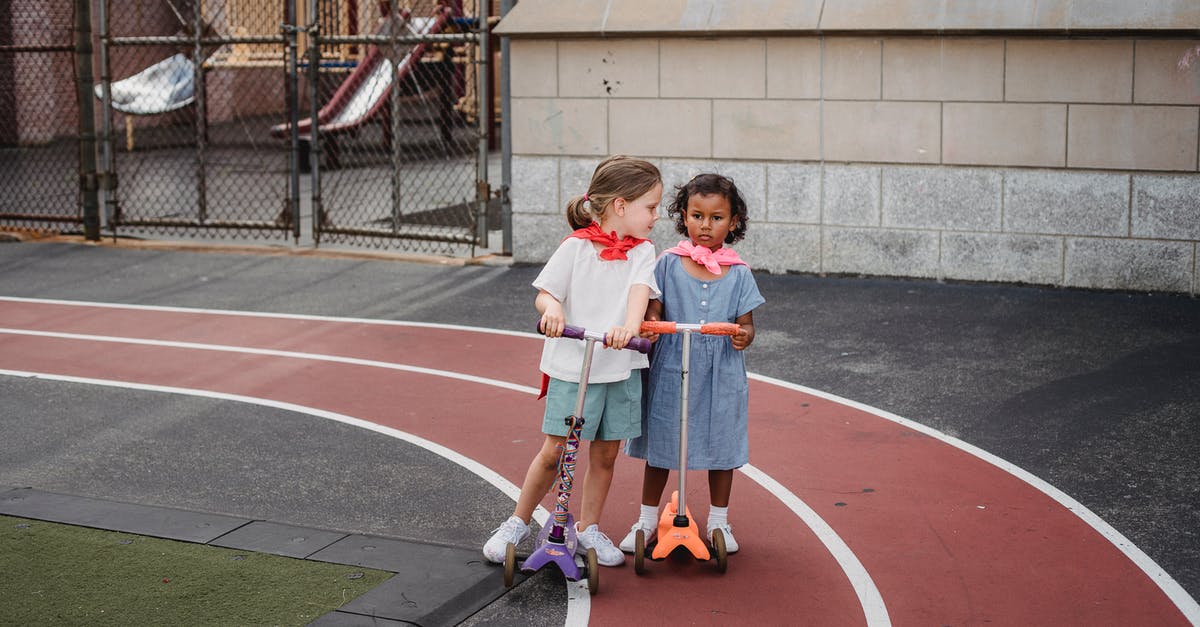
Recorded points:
943,536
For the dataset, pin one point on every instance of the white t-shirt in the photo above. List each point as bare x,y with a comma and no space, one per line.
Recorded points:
594,294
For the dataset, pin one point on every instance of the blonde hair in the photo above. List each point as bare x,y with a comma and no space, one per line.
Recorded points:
616,177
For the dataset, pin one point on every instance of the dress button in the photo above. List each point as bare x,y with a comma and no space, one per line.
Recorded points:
706,286
704,302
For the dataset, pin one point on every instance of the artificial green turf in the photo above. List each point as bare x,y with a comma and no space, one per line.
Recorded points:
52,574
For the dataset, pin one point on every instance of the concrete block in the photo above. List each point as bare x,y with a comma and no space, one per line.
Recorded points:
1166,207
767,129
534,184
534,68
713,68
957,199
851,195
1062,202
887,132
662,128
750,178
793,193
617,68
555,126
574,178
793,67
536,236
1004,134
852,68
780,248
1002,257
943,69
880,252
1158,78
881,15
1069,70
1122,264
718,17
1132,137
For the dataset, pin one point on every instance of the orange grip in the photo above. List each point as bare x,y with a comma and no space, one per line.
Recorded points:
662,327
720,328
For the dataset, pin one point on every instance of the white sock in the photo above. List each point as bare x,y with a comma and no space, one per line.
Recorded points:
717,516
648,518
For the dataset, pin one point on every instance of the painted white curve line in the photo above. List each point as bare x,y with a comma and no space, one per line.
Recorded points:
115,339
579,608
280,316
1180,597
869,597
1182,600
864,587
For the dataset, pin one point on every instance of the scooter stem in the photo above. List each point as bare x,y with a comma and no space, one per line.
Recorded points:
681,519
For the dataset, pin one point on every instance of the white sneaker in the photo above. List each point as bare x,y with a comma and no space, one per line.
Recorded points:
630,541
514,530
606,553
731,545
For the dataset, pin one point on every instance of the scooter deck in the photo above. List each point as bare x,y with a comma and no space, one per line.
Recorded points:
671,537
561,555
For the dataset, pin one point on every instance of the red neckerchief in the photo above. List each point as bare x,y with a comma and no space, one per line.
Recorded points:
613,248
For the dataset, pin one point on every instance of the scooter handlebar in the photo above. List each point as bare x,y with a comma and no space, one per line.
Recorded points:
639,344
666,327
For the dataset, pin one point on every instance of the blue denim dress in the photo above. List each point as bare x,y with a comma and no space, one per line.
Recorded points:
718,397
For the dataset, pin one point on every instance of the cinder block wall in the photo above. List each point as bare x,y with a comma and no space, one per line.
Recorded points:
1035,159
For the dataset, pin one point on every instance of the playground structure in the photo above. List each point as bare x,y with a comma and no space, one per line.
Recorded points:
364,95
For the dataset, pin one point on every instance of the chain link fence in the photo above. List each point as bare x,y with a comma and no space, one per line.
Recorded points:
205,114
39,117
399,129
193,87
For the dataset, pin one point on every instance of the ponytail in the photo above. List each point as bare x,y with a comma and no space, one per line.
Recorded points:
578,214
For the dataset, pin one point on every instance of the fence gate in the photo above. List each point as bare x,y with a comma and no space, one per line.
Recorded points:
399,154
190,89
39,118
208,109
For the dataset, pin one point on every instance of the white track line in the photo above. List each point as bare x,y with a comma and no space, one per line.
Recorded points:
864,587
1182,600
578,606
1186,604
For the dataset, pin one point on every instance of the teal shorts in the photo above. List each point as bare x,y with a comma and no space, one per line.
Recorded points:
611,411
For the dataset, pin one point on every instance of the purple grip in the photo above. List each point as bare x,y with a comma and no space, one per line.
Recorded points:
639,344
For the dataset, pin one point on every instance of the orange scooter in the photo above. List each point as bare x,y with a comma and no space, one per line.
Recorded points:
677,527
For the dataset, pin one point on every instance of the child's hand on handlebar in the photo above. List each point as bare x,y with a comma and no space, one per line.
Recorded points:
618,337
742,339
552,323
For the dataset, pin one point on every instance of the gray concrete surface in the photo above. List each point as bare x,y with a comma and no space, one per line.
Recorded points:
1097,393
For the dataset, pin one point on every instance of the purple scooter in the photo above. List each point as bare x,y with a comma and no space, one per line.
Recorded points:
556,542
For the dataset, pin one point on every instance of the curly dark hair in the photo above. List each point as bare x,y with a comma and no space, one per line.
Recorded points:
705,184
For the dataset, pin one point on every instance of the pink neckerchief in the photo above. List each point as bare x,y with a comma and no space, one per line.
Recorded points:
712,260
613,248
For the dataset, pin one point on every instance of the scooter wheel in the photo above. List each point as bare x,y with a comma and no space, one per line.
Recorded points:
718,540
593,567
510,564
639,552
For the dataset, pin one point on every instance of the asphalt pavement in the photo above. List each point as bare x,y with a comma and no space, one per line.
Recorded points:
1096,393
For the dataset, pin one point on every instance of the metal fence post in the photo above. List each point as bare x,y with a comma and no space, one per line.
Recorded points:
293,105
482,190
314,132
87,120
505,138
108,174
201,116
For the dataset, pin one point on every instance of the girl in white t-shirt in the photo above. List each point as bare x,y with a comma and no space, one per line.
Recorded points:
600,277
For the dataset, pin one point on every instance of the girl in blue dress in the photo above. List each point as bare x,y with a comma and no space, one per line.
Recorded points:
701,281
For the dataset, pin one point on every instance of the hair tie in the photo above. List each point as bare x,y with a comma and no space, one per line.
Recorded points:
585,197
